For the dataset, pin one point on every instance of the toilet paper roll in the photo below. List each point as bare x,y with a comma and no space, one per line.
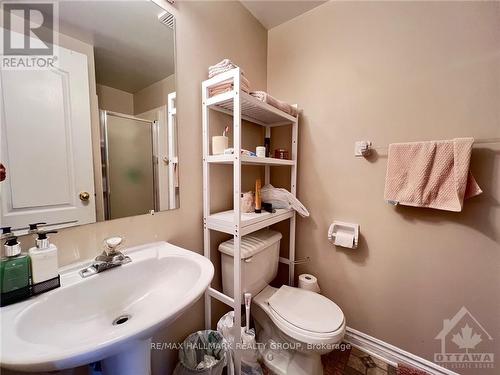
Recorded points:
344,239
309,282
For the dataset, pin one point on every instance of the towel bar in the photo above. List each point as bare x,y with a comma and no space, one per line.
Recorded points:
364,148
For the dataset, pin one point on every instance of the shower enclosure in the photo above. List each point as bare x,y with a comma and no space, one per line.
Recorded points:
129,153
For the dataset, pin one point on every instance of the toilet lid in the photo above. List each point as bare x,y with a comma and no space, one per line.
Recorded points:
306,310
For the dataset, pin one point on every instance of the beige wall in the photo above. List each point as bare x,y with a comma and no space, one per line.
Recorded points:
148,98
154,95
115,100
201,40
390,72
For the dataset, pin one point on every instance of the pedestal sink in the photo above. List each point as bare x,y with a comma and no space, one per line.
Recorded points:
108,317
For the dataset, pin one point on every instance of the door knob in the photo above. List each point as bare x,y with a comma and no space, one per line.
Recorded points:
84,196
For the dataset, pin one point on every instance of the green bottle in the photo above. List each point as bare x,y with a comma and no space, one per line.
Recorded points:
14,268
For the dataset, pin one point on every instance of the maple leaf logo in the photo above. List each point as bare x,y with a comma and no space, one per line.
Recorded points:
466,340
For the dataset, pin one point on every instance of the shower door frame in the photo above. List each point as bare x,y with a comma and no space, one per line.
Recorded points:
104,147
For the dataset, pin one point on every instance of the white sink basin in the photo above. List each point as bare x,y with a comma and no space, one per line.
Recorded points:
73,325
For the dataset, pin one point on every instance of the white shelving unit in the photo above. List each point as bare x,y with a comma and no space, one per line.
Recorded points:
242,106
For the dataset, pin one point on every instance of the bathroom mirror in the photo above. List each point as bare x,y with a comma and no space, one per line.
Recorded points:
91,137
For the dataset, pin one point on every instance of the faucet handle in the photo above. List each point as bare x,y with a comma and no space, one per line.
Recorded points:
112,243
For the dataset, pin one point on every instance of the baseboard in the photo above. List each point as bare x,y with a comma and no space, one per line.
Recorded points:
391,354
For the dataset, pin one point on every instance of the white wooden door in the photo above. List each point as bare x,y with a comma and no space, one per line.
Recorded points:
46,144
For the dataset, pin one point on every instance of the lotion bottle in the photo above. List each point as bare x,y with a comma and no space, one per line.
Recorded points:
44,262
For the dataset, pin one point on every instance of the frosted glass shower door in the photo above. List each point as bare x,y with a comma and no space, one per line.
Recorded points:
130,169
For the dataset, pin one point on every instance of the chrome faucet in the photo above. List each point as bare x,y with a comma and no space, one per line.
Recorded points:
109,258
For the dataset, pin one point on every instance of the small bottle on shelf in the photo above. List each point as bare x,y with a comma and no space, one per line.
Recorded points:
258,198
267,145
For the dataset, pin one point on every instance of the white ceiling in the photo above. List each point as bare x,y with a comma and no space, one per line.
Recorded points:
273,13
132,48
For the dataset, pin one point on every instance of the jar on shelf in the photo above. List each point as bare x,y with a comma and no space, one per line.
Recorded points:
281,153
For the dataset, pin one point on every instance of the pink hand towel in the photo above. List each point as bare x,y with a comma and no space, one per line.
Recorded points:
227,85
432,174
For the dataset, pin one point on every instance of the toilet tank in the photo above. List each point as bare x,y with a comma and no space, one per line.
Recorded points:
259,261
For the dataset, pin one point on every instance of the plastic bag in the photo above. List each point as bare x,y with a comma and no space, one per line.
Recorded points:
249,354
224,326
203,352
251,368
208,362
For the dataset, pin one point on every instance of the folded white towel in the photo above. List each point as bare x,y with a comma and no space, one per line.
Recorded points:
282,198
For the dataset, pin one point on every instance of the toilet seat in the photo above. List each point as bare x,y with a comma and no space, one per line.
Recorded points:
306,310
306,316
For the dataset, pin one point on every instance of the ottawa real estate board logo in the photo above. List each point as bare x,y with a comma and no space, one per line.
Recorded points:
29,33
465,343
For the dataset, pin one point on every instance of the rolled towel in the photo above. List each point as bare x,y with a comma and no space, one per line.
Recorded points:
271,100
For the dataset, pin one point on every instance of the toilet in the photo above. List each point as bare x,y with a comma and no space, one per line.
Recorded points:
295,325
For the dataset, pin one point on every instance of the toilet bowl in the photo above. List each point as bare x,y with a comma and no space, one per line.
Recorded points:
294,326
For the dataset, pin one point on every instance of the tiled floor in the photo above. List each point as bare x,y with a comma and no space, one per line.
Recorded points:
352,362
361,363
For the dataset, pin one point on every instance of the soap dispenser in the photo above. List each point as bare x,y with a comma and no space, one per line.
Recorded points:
33,228
14,270
44,264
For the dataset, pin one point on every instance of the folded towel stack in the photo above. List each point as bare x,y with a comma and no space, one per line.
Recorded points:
432,174
271,100
225,86
221,67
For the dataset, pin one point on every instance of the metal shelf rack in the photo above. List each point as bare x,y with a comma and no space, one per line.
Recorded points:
242,106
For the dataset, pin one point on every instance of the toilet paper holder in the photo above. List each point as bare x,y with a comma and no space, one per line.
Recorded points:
346,228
